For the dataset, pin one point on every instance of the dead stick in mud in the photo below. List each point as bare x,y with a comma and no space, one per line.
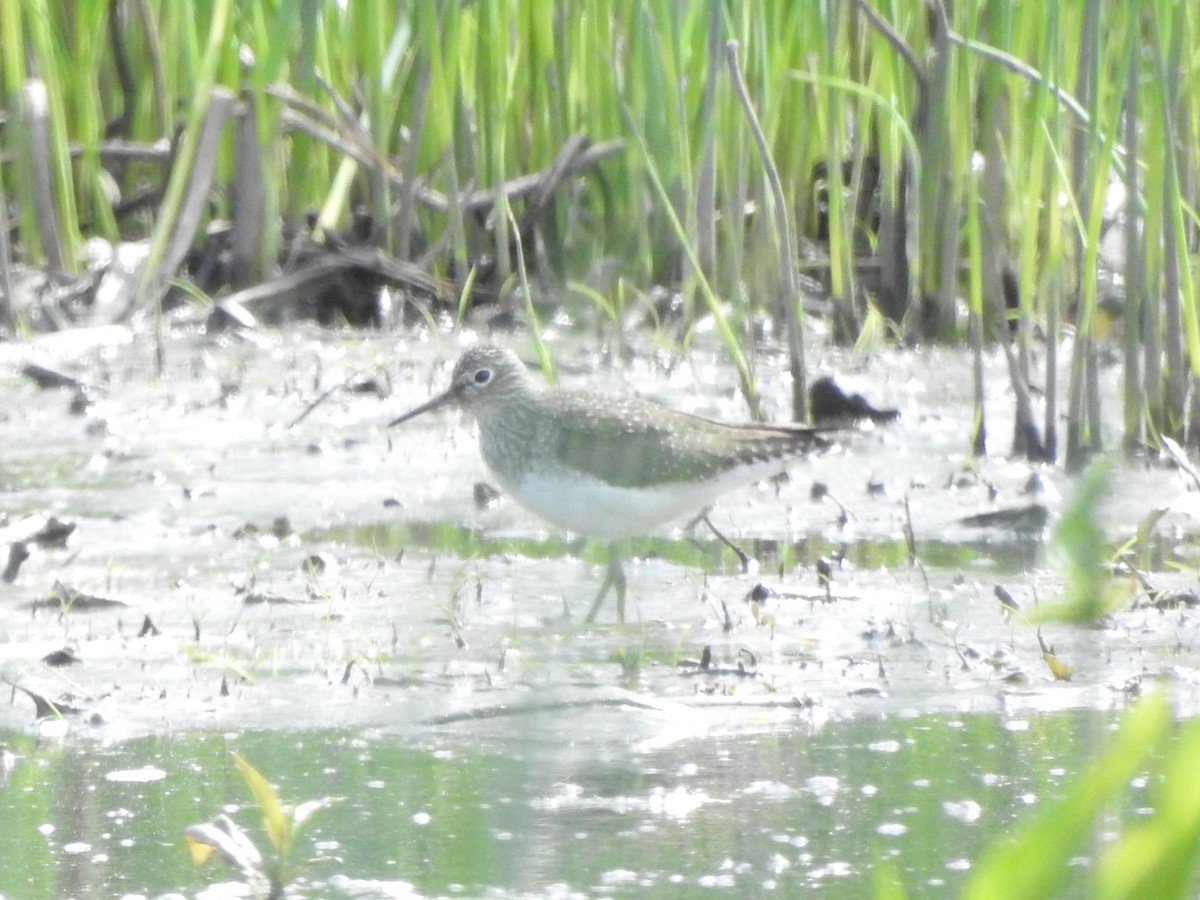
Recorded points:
321,399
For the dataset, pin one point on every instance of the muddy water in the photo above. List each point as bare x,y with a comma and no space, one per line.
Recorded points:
327,597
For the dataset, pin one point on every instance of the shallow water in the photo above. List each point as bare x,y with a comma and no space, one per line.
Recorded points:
582,801
322,591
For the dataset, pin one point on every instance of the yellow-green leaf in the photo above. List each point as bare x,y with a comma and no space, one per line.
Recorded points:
277,823
198,851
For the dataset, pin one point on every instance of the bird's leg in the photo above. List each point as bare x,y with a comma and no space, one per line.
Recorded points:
616,574
613,578
741,554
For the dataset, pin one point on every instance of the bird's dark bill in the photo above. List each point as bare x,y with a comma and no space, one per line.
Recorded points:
435,403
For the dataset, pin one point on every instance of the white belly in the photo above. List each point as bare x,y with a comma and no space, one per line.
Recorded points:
592,507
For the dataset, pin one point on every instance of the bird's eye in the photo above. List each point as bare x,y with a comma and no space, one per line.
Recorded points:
483,376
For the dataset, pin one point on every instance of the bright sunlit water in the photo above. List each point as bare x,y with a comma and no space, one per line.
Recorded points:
518,806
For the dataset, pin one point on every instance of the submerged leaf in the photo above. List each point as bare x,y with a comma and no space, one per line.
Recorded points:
304,812
199,851
227,840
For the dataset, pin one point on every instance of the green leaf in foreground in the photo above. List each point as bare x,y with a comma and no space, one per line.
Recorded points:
1157,856
1090,590
1035,861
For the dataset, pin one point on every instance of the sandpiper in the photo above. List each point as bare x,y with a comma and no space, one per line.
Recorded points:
604,466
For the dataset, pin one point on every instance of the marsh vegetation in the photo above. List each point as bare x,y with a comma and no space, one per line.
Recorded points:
237,237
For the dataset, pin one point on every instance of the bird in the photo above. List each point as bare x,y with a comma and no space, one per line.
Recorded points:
601,465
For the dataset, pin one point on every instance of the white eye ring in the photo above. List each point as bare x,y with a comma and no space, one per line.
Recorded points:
483,376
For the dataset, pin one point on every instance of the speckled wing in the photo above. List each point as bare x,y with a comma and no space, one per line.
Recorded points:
631,442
